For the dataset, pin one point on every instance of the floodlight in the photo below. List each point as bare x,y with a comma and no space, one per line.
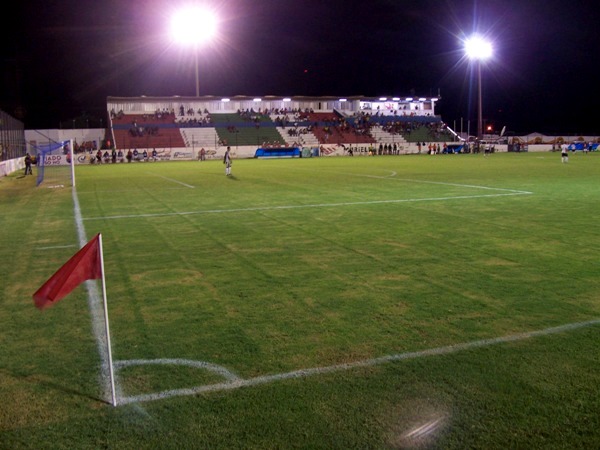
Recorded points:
193,26
478,48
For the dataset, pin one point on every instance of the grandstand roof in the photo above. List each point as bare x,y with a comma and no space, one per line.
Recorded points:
304,98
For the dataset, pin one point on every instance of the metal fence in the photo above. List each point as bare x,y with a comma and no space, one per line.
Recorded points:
12,137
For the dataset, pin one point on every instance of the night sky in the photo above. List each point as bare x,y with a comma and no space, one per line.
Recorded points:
62,59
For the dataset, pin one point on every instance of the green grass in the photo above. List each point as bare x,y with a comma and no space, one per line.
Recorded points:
298,264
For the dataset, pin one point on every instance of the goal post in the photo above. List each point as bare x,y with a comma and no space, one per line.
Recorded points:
55,163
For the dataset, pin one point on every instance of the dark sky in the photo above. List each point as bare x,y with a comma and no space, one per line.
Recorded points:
62,59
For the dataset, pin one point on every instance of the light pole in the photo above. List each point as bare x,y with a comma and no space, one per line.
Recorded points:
478,50
194,27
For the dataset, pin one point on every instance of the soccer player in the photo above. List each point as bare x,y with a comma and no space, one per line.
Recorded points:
564,153
227,161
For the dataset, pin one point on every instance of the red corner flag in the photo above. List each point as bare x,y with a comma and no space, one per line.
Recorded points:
86,264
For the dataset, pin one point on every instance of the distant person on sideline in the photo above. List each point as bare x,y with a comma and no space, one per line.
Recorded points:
28,170
227,161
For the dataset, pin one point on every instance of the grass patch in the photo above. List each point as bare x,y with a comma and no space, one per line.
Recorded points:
299,264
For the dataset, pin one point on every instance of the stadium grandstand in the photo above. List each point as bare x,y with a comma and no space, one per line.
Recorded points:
180,127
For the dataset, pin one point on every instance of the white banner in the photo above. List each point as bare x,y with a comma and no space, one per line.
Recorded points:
57,160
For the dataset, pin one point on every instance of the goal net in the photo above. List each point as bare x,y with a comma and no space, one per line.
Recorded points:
55,165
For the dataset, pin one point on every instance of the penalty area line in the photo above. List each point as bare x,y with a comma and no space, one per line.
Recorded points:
320,205
236,383
393,174
172,180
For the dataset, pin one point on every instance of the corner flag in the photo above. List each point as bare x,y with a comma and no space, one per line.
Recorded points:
84,265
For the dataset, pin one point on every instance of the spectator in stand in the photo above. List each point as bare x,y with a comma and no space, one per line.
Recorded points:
114,156
99,156
129,156
145,155
135,155
120,155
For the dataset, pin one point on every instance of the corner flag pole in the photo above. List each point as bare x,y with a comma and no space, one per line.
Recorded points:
110,362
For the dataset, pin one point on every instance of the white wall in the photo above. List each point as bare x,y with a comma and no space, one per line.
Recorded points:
10,166
79,135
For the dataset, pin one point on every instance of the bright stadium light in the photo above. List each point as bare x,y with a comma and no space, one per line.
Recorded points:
478,49
195,27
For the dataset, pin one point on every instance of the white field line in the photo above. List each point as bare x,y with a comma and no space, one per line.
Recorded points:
220,370
236,383
393,175
117,191
171,179
505,192
442,183
319,205
473,186
96,311
56,246
95,305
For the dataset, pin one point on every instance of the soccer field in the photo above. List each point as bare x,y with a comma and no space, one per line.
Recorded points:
447,301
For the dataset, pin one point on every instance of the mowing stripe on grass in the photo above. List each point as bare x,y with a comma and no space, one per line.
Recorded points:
319,205
171,179
237,383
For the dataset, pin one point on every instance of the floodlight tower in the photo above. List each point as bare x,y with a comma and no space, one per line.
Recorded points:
194,27
478,50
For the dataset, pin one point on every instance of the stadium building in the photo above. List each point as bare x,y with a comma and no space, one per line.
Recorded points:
180,127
